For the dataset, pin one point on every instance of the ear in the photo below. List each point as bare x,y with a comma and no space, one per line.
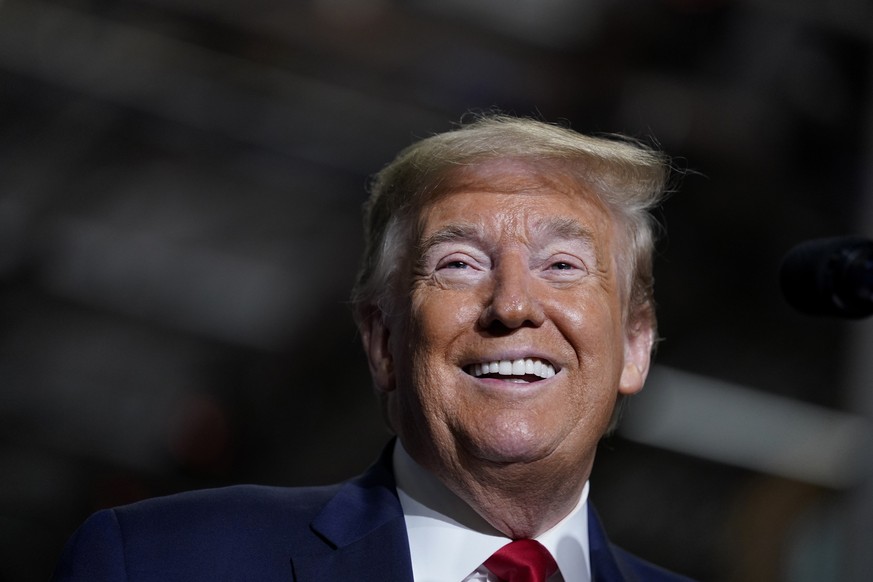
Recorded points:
638,341
375,335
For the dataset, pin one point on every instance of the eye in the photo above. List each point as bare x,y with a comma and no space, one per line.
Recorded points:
562,266
458,261
565,265
455,262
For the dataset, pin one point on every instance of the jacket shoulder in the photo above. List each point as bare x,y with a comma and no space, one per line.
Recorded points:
226,533
233,506
229,519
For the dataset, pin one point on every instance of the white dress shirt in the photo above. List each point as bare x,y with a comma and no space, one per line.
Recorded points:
448,541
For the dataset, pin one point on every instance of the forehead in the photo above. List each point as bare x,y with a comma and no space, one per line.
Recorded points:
518,193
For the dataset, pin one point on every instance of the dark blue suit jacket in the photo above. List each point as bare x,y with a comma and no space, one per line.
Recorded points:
352,531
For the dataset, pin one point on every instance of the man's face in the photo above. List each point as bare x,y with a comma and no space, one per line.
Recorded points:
510,346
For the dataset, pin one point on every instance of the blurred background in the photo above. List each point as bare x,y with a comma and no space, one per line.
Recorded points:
180,186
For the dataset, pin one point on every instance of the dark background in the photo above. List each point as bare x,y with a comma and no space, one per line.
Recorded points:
180,185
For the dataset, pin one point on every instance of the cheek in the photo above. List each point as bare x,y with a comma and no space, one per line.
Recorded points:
439,316
436,327
593,326
592,316
430,327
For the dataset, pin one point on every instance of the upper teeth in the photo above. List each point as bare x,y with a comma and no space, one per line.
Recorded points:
514,368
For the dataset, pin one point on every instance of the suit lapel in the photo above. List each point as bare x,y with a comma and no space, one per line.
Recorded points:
360,534
605,565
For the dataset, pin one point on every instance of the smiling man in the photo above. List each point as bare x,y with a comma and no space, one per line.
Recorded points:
505,306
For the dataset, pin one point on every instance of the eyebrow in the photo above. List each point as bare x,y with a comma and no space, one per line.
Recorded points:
450,233
564,228
446,234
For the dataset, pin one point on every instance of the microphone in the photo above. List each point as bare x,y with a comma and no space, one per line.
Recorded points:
830,276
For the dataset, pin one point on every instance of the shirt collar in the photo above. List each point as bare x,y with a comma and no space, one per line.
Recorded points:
437,518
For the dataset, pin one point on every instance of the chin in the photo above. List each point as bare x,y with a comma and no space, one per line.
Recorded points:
517,447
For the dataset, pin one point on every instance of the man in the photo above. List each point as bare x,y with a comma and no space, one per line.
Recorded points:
505,306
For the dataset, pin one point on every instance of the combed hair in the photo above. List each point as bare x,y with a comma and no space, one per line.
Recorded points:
628,177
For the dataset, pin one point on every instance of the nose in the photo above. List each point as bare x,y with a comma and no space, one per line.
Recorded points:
512,302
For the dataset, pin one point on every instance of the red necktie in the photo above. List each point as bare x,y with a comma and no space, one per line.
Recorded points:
522,561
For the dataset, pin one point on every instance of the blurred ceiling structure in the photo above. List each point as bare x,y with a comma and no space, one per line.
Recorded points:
180,186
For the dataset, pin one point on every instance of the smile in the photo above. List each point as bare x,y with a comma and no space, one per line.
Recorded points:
521,370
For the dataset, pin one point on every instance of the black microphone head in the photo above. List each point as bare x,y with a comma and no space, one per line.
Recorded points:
830,276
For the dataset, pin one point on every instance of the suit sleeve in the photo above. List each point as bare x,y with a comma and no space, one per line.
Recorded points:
95,553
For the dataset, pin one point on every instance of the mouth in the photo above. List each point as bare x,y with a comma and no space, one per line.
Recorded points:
521,371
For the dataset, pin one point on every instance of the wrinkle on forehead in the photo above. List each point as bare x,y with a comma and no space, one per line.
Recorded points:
556,227
511,176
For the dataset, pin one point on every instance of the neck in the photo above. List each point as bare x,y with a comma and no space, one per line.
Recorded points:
520,500
517,500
